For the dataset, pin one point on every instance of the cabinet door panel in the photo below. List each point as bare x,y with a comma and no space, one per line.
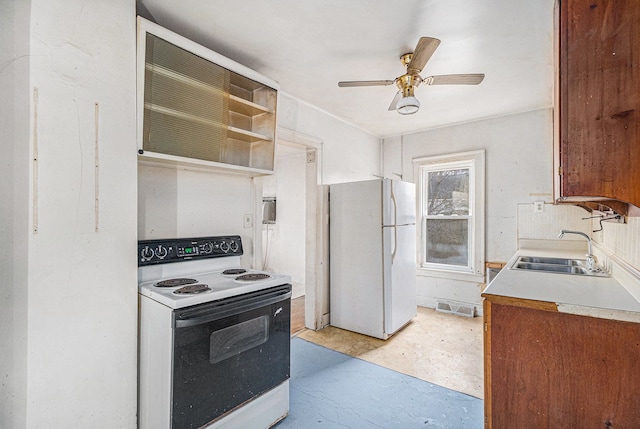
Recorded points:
600,99
555,370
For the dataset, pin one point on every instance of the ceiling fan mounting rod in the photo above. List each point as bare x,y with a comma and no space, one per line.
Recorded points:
405,59
406,62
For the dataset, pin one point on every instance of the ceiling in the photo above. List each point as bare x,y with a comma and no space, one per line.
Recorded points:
308,46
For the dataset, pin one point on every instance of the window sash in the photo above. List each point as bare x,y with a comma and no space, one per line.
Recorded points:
429,262
427,174
470,250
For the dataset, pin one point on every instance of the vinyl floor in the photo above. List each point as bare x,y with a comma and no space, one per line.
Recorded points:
441,348
329,389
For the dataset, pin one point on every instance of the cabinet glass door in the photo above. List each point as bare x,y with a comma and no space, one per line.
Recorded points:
186,102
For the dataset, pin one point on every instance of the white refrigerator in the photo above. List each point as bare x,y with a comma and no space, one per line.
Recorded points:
372,256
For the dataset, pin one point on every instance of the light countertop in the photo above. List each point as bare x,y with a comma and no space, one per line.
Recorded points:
604,297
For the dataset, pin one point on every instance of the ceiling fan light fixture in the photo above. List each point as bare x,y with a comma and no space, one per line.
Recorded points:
404,101
408,105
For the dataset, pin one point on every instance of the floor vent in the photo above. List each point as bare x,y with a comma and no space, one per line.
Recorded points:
460,309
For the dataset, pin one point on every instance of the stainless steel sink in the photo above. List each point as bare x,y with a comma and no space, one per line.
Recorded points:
567,269
556,265
554,261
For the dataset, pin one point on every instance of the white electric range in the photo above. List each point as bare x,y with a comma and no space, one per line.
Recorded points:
214,336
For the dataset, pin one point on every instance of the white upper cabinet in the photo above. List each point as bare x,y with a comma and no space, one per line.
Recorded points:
199,109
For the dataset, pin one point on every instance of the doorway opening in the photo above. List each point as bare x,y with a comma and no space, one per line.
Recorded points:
294,234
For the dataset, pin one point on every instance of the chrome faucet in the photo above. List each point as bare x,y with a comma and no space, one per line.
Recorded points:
591,259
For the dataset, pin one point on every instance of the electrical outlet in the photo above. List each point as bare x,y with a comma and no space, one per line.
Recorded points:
538,206
248,221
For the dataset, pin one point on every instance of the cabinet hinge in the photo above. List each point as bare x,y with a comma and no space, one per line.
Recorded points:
486,327
560,171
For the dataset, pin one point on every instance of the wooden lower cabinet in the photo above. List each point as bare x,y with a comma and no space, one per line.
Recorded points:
545,369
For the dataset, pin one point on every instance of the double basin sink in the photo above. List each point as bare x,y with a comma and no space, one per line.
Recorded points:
557,265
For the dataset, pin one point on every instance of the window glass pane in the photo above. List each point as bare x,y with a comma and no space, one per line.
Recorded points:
447,241
448,192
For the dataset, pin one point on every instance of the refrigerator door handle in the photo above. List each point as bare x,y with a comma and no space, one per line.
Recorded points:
395,206
395,220
395,244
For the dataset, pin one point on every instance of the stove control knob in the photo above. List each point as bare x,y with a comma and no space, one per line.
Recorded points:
147,253
234,246
161,251
224,246
207,248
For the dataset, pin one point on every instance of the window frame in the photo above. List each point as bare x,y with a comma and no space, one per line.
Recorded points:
475,162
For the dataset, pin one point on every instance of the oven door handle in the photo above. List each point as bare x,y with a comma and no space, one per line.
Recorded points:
230,307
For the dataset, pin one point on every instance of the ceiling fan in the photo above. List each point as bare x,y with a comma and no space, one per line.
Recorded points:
405,101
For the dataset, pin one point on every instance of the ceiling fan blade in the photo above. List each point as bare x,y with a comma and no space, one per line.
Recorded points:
394,102
424,49
349,83
454,79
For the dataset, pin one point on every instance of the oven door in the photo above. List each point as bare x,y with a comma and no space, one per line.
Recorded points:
227,352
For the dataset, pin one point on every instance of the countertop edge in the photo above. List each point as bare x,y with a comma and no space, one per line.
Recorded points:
600,313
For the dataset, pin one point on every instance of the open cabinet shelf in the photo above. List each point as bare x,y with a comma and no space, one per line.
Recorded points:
232,132
245,107
198,108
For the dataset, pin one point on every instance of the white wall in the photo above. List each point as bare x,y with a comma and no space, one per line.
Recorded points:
546,225
185,203
14,209
285,240
71,330
347,152
519,155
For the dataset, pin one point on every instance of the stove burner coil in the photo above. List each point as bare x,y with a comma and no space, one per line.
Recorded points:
252,277
234,271
175,282
192,289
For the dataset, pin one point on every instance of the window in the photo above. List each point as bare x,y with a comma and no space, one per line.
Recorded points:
451,212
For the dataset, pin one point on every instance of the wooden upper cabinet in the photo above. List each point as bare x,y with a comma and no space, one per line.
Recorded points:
599,90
